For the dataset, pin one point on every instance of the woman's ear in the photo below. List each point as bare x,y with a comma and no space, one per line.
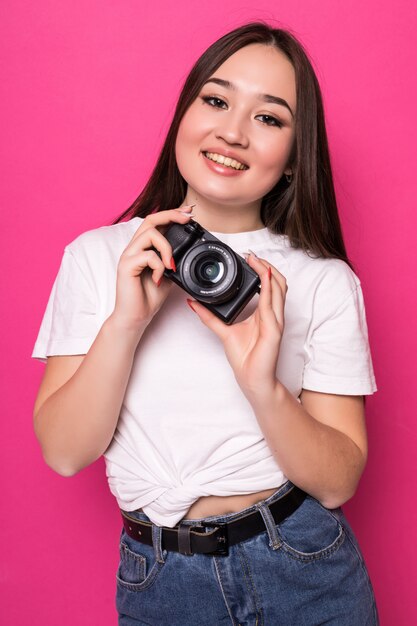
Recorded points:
288,175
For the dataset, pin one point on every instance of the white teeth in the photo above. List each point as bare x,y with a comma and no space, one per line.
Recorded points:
219,158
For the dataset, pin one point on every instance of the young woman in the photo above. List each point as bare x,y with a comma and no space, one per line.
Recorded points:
230,447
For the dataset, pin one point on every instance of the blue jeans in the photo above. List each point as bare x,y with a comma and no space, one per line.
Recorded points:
307,570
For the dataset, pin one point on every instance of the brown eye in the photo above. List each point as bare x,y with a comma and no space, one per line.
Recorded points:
271,121
212,99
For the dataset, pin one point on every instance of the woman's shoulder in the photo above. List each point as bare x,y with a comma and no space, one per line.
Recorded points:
331,277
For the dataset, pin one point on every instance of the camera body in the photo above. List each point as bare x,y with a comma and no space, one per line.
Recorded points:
210,271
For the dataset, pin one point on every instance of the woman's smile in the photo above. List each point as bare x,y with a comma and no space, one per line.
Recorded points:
225,157
229,167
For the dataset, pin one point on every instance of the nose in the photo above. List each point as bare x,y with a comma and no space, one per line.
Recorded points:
232,129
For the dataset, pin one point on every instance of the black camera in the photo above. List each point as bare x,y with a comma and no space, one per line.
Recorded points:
210,271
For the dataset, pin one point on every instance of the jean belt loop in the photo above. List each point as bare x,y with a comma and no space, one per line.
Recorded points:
270,525
157,543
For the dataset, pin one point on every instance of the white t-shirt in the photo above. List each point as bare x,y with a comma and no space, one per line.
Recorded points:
186,429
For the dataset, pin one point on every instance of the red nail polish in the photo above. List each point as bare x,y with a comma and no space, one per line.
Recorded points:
173,266
189,304
159,282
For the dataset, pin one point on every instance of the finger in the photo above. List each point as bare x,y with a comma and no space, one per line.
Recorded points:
135,264
278,276
279,289
162,219
276,296
278,301
148,239
265,304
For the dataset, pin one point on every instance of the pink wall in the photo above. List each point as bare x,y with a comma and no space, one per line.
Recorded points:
88,92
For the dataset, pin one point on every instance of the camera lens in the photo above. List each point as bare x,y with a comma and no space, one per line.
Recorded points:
209,271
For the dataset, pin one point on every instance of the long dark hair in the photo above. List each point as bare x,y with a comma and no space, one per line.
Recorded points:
305,209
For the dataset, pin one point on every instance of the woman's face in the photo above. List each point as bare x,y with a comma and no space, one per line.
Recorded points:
234,116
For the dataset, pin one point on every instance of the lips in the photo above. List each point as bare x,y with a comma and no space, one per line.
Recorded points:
227,153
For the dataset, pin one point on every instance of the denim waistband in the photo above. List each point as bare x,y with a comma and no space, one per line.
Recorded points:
227,517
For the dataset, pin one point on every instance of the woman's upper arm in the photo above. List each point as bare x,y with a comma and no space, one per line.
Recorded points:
342,412
58,370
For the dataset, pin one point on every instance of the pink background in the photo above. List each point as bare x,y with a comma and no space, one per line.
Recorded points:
89,89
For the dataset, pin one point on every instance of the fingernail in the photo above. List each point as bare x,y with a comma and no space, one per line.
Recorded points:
173,266
246,255
159,282
187,214
190,305
252,252
186,207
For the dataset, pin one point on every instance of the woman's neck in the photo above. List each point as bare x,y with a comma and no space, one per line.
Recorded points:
224,218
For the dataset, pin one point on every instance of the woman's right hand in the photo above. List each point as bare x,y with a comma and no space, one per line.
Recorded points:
138,296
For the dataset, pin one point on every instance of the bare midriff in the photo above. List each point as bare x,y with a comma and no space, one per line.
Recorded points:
207,506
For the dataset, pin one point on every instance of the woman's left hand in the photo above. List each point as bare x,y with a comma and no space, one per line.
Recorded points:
252,346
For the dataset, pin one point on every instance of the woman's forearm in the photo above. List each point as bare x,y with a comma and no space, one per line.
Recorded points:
323,461
76,423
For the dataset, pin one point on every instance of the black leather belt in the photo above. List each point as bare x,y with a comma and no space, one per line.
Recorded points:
186,539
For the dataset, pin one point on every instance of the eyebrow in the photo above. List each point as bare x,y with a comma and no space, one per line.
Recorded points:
265,97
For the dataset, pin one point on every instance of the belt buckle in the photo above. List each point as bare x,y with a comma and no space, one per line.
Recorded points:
222,539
